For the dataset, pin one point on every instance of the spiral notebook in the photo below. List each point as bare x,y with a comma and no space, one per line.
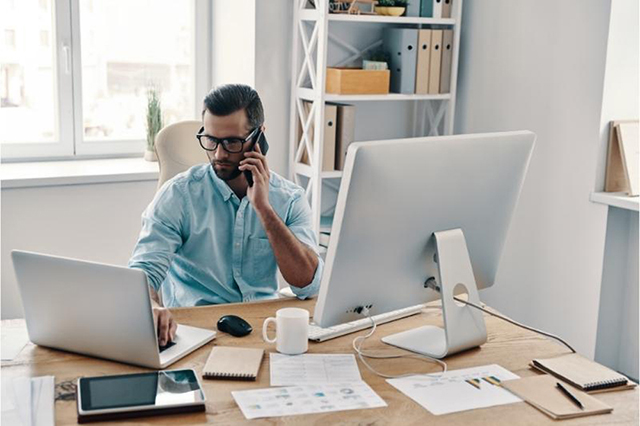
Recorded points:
584,374
233,363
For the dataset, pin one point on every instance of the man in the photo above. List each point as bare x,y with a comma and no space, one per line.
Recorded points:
208,237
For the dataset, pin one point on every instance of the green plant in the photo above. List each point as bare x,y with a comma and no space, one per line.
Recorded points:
378,55
154,117
393,3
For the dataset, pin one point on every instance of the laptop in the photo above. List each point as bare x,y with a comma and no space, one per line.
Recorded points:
97,310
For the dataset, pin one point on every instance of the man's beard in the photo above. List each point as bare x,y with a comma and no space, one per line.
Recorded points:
227,173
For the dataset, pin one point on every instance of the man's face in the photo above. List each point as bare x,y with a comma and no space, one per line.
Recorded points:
236,125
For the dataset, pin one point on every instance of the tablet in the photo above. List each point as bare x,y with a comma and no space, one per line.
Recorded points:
135,395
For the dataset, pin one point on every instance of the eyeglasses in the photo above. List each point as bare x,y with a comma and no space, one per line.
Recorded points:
231,145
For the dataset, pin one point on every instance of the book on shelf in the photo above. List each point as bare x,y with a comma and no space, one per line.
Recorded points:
447,57
446,8
431,8
323,239
345,132
420,60
329,143
413,8
435,61
401,44
622,158
422,64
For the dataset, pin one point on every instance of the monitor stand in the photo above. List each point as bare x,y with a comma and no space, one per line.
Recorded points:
464,326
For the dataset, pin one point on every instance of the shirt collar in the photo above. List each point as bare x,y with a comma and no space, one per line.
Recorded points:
222,187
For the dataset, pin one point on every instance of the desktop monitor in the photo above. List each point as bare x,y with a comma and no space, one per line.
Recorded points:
395,195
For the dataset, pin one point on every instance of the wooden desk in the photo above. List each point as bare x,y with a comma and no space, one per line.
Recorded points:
509,346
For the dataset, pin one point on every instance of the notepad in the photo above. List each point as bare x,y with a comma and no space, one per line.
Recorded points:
541,392
233,363
583,373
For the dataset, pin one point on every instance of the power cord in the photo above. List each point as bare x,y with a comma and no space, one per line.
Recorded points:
431,283
359,341
507,319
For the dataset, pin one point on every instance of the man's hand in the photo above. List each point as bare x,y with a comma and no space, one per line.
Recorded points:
256,163
165,324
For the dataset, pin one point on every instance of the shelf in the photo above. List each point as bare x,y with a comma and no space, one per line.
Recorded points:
310,95
306,170
389,97
314,15
378,19
616,199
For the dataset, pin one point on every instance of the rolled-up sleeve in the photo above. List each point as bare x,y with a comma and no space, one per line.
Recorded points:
299,221
161,234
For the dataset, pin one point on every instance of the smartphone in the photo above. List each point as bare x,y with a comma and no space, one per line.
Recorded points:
264,147
136,395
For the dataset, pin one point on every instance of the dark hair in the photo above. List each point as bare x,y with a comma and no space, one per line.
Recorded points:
229,98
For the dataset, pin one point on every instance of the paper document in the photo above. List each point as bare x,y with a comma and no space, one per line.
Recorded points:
458,390
287,401
14,339
296,370
28,401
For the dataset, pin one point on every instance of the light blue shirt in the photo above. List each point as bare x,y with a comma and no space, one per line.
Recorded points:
200,244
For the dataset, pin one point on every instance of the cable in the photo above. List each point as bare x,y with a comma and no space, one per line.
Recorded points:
432,284
359,341
507,319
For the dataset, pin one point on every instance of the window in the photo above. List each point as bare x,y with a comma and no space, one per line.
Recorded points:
76,81
10,39
28,110
44,38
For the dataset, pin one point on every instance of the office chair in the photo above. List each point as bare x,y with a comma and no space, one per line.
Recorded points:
178,149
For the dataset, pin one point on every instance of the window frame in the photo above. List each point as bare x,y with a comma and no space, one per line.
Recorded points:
67,66
63,79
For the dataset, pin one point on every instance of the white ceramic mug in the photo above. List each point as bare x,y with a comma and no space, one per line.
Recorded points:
292,330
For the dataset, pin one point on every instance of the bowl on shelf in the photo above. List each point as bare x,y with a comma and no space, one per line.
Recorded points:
389,11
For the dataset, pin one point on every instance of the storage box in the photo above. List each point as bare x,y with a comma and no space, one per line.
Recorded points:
355,81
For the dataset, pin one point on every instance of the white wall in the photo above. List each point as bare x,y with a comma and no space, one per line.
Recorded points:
252,45
273,43
617,338
233,24
620,93
99,222
619,296
539,65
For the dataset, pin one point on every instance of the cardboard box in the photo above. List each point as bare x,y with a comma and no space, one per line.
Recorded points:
356,81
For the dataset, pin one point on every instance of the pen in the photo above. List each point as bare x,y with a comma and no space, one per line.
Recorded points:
569,395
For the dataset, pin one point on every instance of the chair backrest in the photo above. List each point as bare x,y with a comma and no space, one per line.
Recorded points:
178,150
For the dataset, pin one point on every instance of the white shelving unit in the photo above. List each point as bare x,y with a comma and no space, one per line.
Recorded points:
313,33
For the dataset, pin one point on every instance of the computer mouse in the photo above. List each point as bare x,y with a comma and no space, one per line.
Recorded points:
234,325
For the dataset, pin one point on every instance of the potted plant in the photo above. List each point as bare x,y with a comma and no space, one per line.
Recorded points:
376,60
154,123
392,7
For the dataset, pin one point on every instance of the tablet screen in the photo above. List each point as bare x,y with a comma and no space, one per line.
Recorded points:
155,389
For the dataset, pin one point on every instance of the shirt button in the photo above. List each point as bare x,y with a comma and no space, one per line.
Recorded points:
237,244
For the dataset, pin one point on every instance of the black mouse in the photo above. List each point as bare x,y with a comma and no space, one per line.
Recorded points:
234,325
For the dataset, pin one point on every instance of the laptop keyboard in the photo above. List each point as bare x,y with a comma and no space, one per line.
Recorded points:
165,347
